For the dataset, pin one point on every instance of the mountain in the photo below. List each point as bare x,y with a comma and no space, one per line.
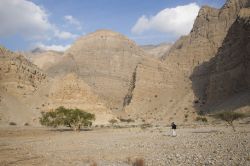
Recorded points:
157,51
105,60
166,90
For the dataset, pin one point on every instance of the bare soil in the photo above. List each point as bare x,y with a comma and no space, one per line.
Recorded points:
204,145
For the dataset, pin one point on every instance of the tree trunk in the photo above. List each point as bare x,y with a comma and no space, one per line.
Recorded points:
231,124
79,127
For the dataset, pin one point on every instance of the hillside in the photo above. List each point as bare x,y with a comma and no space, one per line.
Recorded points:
19,79
157,51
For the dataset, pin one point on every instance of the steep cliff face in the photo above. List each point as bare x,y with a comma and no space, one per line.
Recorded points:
227,74
105,60
169,80
209,30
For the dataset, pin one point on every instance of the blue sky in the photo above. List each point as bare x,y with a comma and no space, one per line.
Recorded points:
55,24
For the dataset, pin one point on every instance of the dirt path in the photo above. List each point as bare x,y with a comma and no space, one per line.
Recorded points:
200,146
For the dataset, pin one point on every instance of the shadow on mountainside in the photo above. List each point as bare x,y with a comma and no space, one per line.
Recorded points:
223,83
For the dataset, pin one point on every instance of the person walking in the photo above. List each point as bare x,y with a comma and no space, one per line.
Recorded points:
173,125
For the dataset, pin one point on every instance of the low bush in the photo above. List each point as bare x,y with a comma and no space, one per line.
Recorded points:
139,162
126,120
229,117
12,123
201,118
113,121
146,125
26,124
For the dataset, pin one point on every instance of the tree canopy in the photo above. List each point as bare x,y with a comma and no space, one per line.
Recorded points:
73,118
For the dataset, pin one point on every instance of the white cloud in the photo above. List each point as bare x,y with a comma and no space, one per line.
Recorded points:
64,35
178,20
23,17
73,21
52,47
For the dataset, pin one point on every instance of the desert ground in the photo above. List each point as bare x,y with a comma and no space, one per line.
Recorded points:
194,145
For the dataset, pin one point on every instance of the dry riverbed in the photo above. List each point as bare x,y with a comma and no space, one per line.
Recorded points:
207,145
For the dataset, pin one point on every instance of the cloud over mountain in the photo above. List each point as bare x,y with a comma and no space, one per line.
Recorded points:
73,21
177,21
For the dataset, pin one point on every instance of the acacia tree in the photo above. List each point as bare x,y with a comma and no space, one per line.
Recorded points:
229,117
113,121
73,118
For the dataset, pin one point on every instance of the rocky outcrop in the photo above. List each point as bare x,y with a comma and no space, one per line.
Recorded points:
129,95
227,75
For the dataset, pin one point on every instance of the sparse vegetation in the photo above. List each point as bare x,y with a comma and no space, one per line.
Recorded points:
196,101
26,124
93,163
201,118
113,121
12,123
146,125
73,118
126,120
229,117
139,162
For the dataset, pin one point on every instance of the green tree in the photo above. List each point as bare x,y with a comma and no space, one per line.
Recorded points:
229,117
73,118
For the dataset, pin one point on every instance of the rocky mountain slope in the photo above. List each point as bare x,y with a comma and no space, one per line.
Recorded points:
105,60
44,59
227,75
164,90
157,51
26,91
19,79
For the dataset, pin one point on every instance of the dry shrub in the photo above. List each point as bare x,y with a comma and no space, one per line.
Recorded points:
229,117
139,162
26,124
12,123
201,118
93,163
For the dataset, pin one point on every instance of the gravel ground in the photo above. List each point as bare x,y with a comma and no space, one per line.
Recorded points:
205,145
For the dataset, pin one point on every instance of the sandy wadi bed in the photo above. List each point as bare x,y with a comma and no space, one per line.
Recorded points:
207,145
